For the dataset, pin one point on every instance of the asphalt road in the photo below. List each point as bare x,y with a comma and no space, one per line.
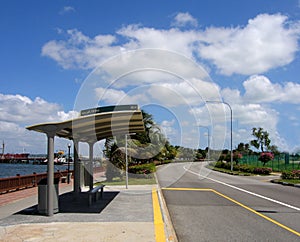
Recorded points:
210,206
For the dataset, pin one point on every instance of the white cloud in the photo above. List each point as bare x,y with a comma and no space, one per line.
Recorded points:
80,51
184,19
167,127
170,39
22,110
17,112
266,42
260,89
66,9
109,95
257,107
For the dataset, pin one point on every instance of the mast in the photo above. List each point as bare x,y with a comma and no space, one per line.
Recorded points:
3,145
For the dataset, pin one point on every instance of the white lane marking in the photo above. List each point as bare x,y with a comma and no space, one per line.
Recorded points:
243,190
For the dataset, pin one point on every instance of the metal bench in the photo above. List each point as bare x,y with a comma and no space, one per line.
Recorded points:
94,194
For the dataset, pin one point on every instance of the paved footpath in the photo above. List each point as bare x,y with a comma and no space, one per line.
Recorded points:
134,214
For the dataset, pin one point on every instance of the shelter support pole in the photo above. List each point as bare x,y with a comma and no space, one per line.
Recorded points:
50,174
77,173
126,161
91,171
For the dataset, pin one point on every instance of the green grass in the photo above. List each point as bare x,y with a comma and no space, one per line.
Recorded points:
239,173
291,181
131,181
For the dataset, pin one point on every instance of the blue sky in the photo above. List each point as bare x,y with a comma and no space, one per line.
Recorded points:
248,49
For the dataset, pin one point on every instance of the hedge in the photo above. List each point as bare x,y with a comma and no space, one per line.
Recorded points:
244,168
142,169
295,174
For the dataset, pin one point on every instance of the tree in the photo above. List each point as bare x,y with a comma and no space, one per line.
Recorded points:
149,124
243,148
171,151
262,140
265,157
149,144
274,150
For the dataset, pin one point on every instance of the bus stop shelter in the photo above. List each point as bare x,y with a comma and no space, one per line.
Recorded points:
91,126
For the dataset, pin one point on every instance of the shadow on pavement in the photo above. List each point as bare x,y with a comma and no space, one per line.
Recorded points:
69,204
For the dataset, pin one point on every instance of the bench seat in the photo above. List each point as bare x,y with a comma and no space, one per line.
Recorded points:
95,194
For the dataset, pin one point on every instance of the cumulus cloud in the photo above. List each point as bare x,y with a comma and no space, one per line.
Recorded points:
80,51
260,89
257,106
169,39
167,127
17,112
184,19
23,110
266,42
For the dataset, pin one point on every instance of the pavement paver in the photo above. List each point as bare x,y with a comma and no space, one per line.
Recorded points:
121,215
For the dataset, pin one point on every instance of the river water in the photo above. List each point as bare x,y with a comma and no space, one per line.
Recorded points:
8,169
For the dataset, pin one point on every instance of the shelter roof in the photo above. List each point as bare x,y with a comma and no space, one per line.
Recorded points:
97,126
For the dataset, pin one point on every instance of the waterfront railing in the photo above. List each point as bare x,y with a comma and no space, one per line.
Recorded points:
27,181
19,182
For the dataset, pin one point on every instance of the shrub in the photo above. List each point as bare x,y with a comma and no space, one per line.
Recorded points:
246,168
262,170
142,169
235,167
289,175
265,157
221,164
296,174
236,157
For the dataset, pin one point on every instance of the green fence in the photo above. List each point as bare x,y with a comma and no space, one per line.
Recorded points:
280,162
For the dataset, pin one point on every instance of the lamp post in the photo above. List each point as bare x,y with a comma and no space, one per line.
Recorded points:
208,143
231,154
126,158
68,175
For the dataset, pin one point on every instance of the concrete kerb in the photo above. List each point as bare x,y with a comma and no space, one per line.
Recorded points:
276,181
169,229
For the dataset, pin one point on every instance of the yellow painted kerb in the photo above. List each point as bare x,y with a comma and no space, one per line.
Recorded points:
158,220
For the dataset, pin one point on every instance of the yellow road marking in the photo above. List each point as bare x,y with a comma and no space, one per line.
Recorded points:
188,189
238,203
158,221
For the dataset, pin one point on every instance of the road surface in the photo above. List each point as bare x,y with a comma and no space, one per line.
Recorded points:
210,206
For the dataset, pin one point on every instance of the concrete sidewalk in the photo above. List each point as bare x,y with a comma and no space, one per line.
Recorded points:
121,215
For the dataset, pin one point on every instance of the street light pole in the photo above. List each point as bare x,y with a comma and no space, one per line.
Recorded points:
231,154
68,175
208,143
